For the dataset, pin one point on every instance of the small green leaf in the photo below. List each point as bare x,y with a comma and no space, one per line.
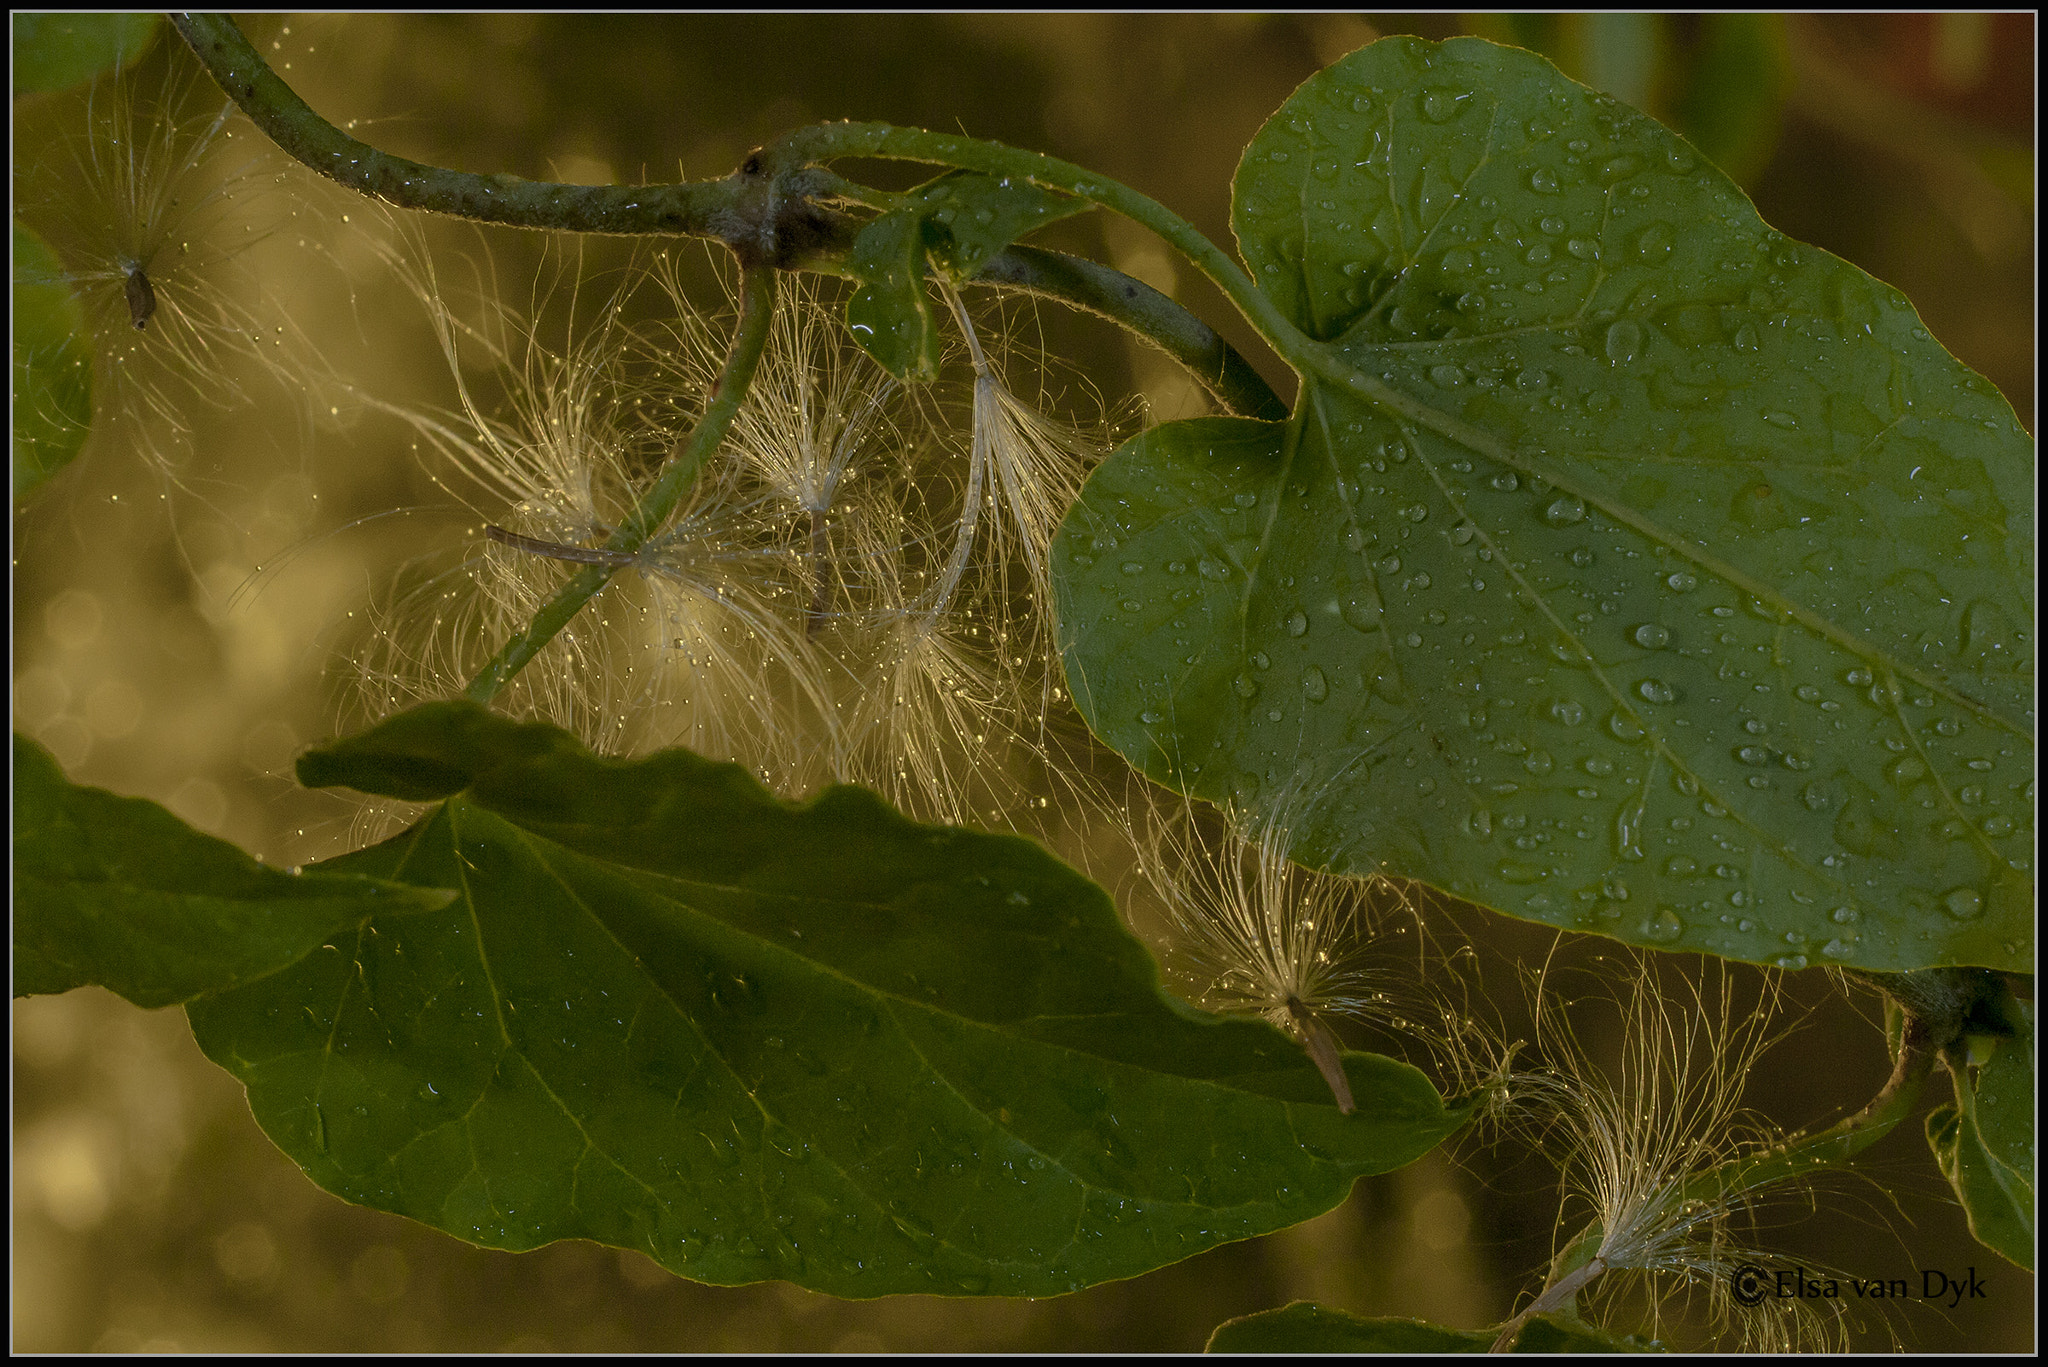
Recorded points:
117,891
1305,1327
1985,1145
890,315
53,51
969,216
757,1039
52,365
1626,566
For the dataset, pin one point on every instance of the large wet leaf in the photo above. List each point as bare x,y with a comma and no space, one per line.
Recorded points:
757,1039
1305,1327
52,366
118,892
1985,1144
1626,566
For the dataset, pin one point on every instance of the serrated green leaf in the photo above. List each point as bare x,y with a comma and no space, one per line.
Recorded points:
757,1039
53,51
970,217
1305,1327
890,315
1985,1146
116,891
52,365
1647,573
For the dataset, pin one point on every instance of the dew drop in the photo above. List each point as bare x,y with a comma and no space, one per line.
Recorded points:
1654,242
1297,624
1656,691
1361,613
1652,636
1624,727
1314,686
1681,582
1664,927
1964,904
1624,341
1619,168
1565,511
1441,105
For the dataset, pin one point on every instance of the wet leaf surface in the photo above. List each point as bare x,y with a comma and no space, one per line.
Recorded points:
116,891
1626,566
759,1040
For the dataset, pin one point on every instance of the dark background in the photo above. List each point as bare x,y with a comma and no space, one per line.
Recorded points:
149,1211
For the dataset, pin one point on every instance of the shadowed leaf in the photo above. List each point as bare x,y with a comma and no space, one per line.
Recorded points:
758,1039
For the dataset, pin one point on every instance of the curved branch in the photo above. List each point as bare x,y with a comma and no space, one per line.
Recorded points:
1135,305
766,216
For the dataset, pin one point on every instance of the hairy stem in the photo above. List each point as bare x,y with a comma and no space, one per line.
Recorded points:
658,504
774,217
1215,364
702,208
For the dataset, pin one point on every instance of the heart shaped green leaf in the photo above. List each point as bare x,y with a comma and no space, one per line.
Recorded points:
116,891
1625,566
757,1039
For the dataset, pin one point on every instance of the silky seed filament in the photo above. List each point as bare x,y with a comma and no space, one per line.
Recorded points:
555,550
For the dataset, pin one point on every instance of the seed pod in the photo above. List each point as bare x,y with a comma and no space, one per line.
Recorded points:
141,298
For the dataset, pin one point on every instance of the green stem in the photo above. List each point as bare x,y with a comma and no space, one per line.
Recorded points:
1135,305
1832,1147
658,504
704,208
823,142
